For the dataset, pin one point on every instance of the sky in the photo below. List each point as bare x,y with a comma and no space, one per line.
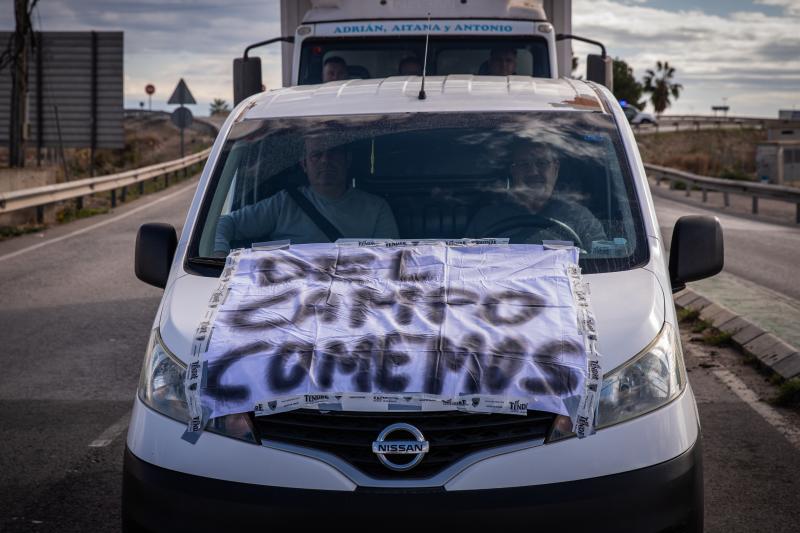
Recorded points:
745,53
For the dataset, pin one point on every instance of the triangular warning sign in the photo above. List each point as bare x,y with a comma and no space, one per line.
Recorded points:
181,95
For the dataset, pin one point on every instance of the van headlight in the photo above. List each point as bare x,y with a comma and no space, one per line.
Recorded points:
161,388
650,380
161,384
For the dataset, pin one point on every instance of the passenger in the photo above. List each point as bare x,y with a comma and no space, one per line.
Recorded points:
334,69
533,175
409,66
353,212
503,61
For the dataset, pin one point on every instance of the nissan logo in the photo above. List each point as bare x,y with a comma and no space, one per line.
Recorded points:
417,447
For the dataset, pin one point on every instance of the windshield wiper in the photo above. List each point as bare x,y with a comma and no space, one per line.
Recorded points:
207,261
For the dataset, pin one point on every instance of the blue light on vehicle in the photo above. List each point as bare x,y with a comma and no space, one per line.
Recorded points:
623,103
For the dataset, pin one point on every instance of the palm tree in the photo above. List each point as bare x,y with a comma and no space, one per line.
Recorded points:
660,86
218,106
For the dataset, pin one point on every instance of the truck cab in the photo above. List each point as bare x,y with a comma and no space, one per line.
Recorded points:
334,40
382,39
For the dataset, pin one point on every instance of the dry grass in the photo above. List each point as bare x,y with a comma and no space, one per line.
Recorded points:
719,153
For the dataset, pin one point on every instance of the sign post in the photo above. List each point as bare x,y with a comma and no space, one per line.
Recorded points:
150,89
182,117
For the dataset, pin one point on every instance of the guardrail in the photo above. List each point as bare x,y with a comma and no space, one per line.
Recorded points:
727,187
41,196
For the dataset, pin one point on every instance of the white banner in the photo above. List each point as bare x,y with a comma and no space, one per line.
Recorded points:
394,325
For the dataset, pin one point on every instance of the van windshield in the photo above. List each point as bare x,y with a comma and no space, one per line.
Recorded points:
530,177
325,60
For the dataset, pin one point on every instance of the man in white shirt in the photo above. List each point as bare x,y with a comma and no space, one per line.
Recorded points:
352,212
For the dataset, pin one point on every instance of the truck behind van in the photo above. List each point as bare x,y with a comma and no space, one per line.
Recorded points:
351,39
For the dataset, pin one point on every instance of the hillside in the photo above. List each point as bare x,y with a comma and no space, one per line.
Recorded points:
718,153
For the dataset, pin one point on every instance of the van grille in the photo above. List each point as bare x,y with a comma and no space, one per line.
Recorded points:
452,435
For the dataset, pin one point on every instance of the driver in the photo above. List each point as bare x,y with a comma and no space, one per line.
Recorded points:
353,212
533,175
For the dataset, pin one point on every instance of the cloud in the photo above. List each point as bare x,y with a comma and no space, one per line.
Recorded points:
732,55
790,7
167,40
715,56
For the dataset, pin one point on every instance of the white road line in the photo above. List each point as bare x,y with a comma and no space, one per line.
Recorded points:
775,419
111,432
98,225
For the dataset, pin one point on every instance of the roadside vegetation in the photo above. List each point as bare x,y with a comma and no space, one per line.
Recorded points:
150,138
729,154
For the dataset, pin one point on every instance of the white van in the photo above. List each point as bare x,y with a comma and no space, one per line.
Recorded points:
550,165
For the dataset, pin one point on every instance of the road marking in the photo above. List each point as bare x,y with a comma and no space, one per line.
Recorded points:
98,225
775,419
111,432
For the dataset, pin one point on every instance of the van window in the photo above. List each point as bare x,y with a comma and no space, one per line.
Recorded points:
380,58
529,177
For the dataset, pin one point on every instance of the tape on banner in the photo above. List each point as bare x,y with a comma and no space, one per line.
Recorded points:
583,425
383,403
399,243
195,374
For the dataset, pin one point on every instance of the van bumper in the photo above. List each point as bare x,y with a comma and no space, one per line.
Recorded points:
664,497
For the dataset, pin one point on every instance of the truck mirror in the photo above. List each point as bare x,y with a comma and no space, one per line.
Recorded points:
155,249
599,70
246,78
697,250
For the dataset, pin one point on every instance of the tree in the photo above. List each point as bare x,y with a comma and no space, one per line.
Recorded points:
661,87
218,107
625,85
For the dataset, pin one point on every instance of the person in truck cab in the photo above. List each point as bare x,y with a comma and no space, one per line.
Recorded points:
300,214
502,61
409,66
533,174
334,69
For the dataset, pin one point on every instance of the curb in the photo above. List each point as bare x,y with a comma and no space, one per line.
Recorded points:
772,352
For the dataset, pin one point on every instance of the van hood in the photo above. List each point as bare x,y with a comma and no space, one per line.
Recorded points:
629,309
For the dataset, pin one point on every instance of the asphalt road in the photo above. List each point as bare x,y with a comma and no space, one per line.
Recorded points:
73,327
764,253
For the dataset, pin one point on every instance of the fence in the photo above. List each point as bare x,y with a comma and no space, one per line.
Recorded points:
41,196
727,187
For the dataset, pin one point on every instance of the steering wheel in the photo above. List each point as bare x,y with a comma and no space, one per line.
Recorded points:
533,220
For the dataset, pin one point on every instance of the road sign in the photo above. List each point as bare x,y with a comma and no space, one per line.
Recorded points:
182,117
150,88
181,95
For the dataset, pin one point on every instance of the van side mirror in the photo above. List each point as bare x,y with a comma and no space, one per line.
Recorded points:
246,78
155,249
697,250
599,69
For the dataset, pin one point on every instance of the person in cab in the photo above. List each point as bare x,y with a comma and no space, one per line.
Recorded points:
322,211
529,211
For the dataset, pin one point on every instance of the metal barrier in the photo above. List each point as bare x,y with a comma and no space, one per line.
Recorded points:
48,194
755,190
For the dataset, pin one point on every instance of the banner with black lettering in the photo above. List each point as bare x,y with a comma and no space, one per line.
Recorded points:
486,328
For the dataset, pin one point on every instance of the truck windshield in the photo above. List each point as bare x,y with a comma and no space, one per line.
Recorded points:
528,177
325,60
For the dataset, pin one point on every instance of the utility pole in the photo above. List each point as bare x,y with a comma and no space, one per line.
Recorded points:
19,84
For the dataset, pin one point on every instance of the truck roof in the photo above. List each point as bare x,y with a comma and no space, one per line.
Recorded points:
399,94
343,10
